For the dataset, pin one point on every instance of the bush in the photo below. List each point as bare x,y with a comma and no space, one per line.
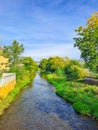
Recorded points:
94,109
75,72
84,97
81,108
95,114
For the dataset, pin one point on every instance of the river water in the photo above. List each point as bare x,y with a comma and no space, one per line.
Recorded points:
39,108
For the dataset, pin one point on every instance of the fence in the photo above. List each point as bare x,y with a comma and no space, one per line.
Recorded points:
6,78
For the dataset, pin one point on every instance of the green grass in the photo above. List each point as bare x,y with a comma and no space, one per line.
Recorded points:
81,108
10,97
83,97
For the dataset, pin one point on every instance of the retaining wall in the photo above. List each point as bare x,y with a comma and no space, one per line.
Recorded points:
7,83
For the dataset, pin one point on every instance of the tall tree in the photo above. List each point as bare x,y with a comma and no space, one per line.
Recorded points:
43,64
13,53
87,42
55,63
29,64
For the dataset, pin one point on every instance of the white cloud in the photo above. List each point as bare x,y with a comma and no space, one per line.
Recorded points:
46,50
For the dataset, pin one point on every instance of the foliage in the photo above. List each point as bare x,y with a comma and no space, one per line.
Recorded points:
24,77
29,63
87,42
43,64
0,73
60,72
18,64
13,53
55,63
74,92
10,97
52,64
74,62
24,67
81,108
74,70
30,66
0,51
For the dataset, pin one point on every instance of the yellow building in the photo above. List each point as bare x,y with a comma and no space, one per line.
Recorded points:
3,63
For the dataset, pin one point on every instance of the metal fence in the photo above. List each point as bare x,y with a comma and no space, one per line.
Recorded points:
6,78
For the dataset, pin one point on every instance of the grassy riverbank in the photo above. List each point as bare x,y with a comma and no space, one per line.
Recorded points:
24,68
84,98
11,96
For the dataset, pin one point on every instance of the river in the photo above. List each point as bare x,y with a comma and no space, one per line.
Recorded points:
39,108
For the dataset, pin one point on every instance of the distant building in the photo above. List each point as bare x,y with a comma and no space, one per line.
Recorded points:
3,61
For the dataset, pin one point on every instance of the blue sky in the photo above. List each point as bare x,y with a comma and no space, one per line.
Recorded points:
45,27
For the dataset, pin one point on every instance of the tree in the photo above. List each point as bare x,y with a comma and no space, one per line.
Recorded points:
74,70
87,42
43,64
55,63
30,65
13,53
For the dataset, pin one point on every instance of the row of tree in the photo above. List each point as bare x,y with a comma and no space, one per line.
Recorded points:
22,66
87,43
72,69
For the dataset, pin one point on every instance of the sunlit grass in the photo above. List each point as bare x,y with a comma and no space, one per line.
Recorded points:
10,97
84,97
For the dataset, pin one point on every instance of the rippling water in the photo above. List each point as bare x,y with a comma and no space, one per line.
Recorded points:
39,108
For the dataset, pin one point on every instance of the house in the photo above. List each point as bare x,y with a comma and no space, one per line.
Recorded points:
3,61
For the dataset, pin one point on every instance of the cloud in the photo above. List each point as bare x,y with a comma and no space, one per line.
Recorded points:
46,50
46,27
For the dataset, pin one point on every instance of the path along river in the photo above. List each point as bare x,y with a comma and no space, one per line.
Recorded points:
39,108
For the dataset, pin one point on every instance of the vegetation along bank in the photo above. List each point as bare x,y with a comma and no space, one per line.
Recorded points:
24,68
68,75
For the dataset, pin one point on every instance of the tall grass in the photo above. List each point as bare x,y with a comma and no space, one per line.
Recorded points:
84,98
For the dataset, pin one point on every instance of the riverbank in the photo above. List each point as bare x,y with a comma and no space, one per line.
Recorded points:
39,108
21,83
84,98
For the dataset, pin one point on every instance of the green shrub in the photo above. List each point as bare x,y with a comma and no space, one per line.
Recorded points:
95,114
94,109
74,70
84,97
81,108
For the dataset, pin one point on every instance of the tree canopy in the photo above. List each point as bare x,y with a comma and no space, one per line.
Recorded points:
13,53
52,64
43,64
29,63
22,66
87,42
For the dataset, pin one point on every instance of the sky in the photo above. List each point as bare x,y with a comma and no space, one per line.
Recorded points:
45,27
